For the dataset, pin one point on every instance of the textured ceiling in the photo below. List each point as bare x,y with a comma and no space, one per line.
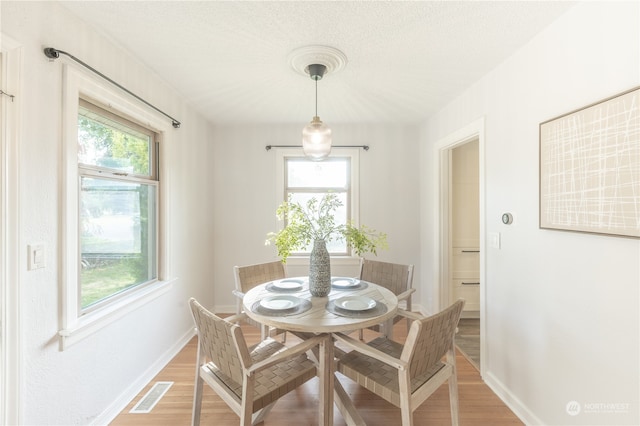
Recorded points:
405,59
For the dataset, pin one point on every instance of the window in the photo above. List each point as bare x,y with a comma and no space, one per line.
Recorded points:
305,179
114,243
117,167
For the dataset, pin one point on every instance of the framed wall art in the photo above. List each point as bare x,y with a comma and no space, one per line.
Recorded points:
590,168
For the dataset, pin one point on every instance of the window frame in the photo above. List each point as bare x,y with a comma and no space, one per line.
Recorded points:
353,208
106,173
74,324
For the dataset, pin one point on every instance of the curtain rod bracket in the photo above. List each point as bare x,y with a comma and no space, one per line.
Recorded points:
365,147
53,54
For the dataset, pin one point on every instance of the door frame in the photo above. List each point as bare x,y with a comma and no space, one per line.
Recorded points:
10,344
444,147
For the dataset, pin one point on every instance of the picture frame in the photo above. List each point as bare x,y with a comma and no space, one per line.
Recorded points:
590,168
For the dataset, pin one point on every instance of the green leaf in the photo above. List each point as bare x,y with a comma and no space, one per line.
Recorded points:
315,220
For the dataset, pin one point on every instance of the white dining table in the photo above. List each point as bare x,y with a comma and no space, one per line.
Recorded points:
321,316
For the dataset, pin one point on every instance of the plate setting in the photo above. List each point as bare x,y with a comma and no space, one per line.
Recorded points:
356,307
345,283
355,303
288,284
280,303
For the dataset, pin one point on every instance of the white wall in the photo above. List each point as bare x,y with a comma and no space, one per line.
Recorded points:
562,308
95,376
246,195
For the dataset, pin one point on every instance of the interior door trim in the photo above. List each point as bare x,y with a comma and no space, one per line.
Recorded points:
474,130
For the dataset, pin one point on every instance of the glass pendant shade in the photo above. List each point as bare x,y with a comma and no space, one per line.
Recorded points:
316,140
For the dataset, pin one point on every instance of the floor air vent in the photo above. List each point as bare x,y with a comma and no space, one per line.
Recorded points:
151,398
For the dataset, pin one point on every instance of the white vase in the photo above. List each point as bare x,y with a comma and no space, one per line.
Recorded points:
319,270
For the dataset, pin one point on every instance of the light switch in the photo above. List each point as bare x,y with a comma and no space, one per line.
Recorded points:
36,256
494,239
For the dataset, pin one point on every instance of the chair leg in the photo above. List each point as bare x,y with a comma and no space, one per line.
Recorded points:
453,386
453,398
238,307
345,405
259,415
246,410
197,400
405,398
407,416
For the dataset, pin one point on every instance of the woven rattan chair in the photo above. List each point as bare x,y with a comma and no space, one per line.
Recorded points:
249,379
406,375
395,277
249,276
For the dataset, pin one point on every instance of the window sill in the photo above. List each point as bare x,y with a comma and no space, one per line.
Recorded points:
88,324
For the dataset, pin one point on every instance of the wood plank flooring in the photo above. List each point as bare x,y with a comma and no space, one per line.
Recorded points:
479,406
468,340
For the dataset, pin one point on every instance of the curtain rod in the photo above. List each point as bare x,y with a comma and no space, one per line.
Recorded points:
53,53
365,147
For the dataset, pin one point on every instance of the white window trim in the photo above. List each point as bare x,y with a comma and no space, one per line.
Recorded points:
73,326
354,153
11,366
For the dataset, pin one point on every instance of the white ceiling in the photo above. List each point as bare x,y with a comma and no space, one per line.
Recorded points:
228,59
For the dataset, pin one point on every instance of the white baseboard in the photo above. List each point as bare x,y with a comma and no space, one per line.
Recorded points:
140,382
511,401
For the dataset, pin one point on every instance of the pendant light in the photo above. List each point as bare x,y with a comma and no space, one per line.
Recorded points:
316,136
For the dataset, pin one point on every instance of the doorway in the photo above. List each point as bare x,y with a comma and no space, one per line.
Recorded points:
464,245
461,234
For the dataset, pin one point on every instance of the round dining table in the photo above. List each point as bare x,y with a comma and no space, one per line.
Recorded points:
351,305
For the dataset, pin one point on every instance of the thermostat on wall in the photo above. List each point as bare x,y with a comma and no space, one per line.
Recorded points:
507,218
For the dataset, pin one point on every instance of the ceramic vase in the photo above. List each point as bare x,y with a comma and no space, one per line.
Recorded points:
319,270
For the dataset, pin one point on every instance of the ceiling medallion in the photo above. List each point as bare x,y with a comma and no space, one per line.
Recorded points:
330,57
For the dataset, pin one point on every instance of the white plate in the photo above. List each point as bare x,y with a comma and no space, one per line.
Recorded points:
355,303
280,303
344,282
288,284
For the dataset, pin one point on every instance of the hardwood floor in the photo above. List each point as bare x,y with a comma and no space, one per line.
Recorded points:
478,404
468,340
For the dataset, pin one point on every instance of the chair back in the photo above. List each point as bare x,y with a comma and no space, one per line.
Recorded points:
220,342
393,276
247,277
430,338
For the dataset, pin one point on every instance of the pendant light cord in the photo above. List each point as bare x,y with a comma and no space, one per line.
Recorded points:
316,97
